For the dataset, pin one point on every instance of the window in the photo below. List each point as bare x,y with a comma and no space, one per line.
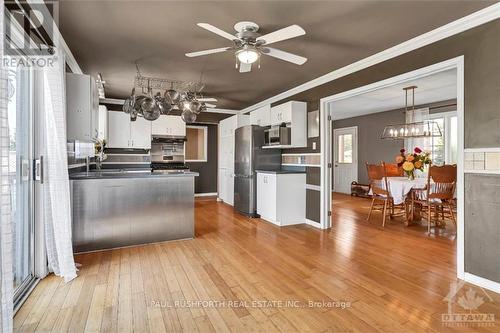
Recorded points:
196,144
345,148
444,149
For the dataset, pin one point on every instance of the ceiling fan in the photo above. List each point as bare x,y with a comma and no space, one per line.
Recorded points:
249,45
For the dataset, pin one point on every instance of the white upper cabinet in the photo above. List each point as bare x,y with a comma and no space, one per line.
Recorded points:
82,107
140,133
261,116
118,129
102,123
289,112
123,133
229,125
294,114
168,125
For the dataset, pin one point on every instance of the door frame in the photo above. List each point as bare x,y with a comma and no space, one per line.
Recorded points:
355,161
326,111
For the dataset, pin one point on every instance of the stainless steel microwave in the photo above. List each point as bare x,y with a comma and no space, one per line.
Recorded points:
277,136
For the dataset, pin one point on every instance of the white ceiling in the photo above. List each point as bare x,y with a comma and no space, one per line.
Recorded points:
433,88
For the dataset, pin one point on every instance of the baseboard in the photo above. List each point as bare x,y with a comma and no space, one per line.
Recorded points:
482,282
210,194
313,223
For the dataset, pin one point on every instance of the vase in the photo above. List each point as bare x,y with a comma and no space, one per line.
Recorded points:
410,175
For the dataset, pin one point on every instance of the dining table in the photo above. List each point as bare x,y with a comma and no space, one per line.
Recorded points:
401,189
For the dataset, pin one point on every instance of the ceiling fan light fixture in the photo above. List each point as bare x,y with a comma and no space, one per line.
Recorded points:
248,55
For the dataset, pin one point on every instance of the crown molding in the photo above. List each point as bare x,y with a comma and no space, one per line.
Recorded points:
453,28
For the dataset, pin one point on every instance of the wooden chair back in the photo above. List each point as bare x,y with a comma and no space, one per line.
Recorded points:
393,170
442,181
378,179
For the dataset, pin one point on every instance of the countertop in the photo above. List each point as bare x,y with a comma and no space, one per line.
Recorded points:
129,174
280,172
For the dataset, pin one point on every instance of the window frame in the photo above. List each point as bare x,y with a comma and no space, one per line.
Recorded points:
446,131
205,142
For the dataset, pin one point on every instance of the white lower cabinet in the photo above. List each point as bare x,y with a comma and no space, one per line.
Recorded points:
281,197
226,185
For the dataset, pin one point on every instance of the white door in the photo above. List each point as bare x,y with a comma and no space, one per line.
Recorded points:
140,133
345,158
118,129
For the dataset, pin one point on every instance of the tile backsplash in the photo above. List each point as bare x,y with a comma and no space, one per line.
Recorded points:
482,161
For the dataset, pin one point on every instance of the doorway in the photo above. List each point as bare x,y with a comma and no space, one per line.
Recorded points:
345,154
329,108
21,180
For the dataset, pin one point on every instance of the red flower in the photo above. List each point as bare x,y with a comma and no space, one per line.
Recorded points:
402,151
418,150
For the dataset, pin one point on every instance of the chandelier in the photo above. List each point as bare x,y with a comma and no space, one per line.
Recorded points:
421,129
152,97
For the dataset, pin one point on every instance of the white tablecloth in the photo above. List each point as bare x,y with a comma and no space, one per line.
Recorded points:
401,186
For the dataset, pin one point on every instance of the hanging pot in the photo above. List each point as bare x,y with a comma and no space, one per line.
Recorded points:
188,116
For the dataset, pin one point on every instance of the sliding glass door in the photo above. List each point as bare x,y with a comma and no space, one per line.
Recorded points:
20,120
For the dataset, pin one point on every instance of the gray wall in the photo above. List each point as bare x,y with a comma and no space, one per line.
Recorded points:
373,149
206,182
481,51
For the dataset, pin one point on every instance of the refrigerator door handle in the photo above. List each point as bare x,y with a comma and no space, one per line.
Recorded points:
242,176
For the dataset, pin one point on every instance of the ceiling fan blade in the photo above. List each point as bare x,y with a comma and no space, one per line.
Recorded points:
205,52
217,31
210,105
290,57
282,34
245,68
207,99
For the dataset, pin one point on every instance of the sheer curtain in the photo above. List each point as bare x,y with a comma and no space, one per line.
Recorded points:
6,283
57,209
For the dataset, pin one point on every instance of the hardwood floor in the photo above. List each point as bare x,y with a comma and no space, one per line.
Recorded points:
383,281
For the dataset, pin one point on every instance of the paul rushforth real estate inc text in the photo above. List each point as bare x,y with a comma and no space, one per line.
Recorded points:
249,304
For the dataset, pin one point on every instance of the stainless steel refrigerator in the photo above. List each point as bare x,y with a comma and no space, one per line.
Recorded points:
248,157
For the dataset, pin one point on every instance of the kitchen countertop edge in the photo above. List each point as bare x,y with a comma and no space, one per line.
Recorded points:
280,172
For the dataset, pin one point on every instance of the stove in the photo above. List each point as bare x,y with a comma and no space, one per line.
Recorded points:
157,166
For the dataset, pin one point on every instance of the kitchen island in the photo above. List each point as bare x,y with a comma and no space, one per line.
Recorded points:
117,209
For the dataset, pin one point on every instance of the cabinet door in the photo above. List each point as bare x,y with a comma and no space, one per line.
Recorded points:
266,196
118,129
160,126
229,187
222,184
78,104
176,126
94,109
102,123
261,116
276,115
140,133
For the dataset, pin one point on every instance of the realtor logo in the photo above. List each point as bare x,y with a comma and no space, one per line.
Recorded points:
467,313
38,21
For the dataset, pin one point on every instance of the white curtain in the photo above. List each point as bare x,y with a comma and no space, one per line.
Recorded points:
6,284
416,116
57,208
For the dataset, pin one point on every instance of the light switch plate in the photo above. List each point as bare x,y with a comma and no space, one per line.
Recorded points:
314,146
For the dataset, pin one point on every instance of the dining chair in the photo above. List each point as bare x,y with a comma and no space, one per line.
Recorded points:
377,176
393,170
439,193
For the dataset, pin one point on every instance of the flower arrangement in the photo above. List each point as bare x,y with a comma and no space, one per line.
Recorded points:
411,162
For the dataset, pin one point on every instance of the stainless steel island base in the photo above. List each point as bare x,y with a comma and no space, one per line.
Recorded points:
110,212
